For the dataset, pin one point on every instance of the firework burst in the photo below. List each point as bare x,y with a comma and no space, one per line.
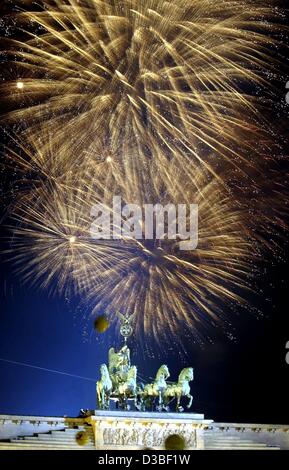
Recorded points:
155,101
170,78
154,279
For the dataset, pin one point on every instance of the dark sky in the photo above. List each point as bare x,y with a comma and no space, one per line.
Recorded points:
242,381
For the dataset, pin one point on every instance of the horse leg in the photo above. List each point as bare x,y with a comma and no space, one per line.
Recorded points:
165,404
190,401
100,400
120,402
107,400
99,396
103,399
127,406
137,402
124,398
179,407
160,401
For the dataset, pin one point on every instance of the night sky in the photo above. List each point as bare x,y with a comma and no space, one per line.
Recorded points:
245,380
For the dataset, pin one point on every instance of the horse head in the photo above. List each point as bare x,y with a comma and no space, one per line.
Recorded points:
163,372
186,374
104,371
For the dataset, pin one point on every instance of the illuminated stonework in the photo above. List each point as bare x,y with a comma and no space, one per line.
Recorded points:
132,430
115,430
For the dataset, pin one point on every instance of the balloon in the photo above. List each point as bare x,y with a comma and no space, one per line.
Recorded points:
81,438
101,324
175,442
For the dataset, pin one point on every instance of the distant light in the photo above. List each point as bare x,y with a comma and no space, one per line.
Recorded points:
20,85
108,159
72,239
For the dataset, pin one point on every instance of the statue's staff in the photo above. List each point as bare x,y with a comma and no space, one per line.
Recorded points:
126,328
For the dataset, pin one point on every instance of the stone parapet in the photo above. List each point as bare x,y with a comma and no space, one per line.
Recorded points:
136,430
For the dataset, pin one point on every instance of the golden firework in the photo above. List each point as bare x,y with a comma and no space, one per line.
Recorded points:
154,101
169,78
154,279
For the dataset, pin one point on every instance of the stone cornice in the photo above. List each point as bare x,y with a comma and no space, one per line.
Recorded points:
244,427
160,418
19,419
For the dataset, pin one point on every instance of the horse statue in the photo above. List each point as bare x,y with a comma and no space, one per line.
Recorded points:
128,388
103,388
180,389
118,366
157,388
